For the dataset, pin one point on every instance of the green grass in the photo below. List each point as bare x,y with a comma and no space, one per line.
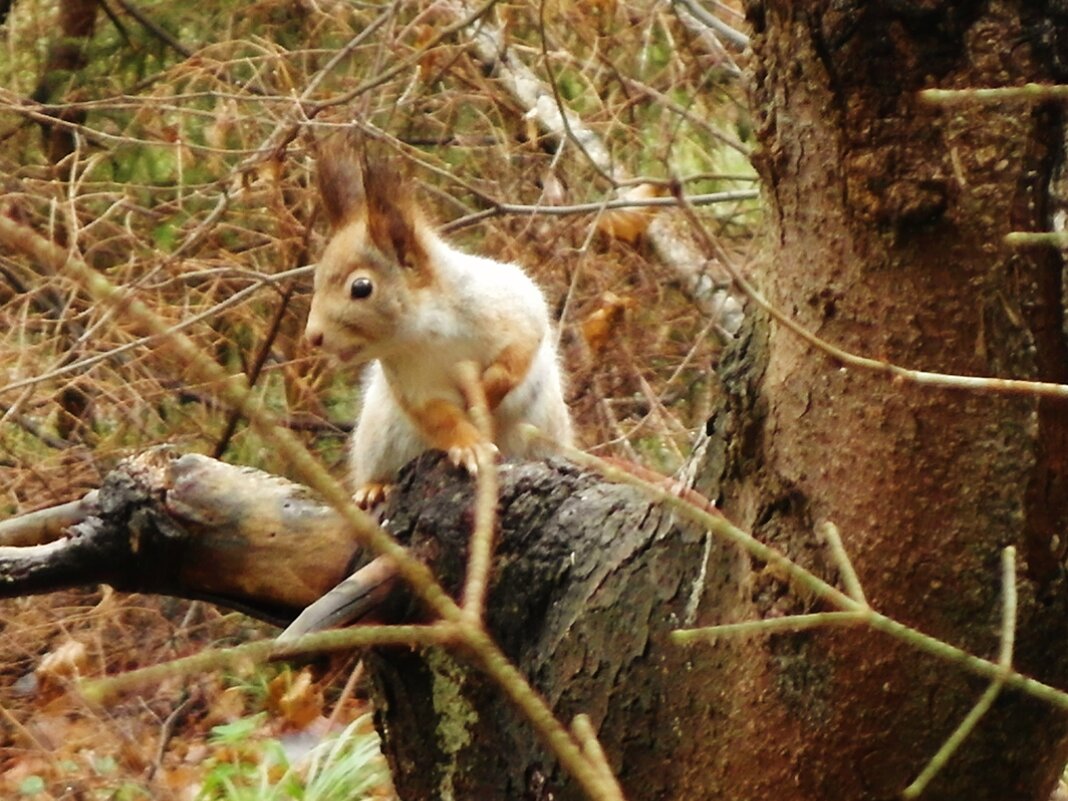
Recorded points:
347,766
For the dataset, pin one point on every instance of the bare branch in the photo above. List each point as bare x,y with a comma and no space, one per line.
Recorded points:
1028,93
693,10
152,26
986,700
829,531
1000,386
541,103
45,525
480,556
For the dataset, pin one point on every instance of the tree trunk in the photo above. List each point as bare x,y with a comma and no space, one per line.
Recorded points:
887,221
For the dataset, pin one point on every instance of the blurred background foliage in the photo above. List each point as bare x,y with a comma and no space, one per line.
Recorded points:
172,144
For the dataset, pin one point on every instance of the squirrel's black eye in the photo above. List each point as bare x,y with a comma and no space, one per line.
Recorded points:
361,288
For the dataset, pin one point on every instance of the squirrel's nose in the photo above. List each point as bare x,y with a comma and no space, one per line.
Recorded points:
315,338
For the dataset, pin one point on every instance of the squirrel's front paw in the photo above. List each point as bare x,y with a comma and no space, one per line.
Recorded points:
466,456
370,494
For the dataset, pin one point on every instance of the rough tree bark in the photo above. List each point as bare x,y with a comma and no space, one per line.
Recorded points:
887,221
589,580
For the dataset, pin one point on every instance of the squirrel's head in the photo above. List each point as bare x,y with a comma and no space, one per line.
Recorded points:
376,259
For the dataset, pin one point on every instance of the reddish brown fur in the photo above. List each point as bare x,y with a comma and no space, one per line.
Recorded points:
353,189
339,182
393,216
507,371
445,425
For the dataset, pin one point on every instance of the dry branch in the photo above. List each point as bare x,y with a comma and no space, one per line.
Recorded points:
674,248
713,33
187,526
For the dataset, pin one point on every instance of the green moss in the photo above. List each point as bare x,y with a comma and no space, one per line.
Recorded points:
455,714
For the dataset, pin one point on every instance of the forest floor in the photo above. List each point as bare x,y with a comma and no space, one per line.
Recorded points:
256,732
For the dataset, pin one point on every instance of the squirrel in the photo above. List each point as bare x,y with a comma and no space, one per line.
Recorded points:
390,291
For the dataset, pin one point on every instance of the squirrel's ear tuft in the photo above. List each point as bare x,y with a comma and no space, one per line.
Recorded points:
394,219
339,179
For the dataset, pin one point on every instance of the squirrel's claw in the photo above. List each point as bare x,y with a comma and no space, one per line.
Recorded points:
371,494
467,456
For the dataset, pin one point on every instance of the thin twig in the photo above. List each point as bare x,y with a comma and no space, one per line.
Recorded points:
45,525
1030,238
1029,93
355,677
829,531
256,368
47,749
166,732
236,299
1004,386
480,549
771,625
499,209
735,38
28,425
400,66
668,103
350,46
154,28
103,690
986,700
587,142
583,731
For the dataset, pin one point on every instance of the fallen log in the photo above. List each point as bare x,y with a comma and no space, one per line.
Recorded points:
191,527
